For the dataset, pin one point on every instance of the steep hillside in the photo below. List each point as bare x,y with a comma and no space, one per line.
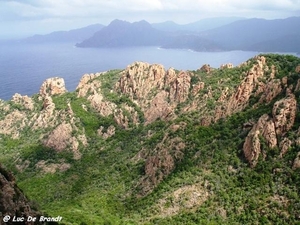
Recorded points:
149,145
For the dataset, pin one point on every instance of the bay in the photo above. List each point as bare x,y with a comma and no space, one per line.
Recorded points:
24,67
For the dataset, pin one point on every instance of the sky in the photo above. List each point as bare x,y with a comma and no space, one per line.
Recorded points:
21,18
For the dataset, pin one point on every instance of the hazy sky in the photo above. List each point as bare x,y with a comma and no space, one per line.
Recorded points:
26,17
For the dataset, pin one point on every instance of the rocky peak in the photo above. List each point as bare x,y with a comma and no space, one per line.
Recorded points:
226,66
240,99
206,68
53,86
140,78
88,85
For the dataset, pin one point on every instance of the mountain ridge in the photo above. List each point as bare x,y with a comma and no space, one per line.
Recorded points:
147,145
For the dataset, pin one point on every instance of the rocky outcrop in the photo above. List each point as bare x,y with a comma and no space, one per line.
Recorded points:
53,167
53,86
159,108
284,113
206,68
109,132
46,117
240,99
140,80
271,129
252,147
25,101
90,87
284,146
87,84
179,87
161,162
153,89
61,138
13,123
270,91
12,200
297,70
296,163
226,66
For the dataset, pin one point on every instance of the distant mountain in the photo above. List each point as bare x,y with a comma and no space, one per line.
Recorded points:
258,35
201,25
75,35
121,34
280,35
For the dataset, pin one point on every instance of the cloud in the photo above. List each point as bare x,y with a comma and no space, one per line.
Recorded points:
13,10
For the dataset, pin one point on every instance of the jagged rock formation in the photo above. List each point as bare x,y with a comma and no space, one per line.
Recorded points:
61,137
25,101
53,86
263,128
226,66
284,112
206,68
271,129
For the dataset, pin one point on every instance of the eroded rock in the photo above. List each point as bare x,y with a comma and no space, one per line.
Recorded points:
252,146
53,86
284,113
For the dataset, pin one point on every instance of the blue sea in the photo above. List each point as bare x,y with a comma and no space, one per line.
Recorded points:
24,67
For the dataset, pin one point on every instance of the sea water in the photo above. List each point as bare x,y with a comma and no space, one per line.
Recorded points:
24,67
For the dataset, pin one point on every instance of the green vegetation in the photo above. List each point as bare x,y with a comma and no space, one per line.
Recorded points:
103,187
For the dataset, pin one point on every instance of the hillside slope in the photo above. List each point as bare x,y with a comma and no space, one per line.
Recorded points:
149,145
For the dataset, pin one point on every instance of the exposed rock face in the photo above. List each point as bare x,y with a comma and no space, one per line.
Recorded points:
25,101
155,90
90,88
159,108
61,138
283,117
226,66
87,84
240,99
109,132
139,79
252,146
53,86
45,118
284,113
180,87
9,126
270,91
296,163
161,164
52,167
206,68
284,145
12,200
297,70
186,197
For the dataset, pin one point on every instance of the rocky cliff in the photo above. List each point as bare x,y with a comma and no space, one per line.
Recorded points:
13,202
